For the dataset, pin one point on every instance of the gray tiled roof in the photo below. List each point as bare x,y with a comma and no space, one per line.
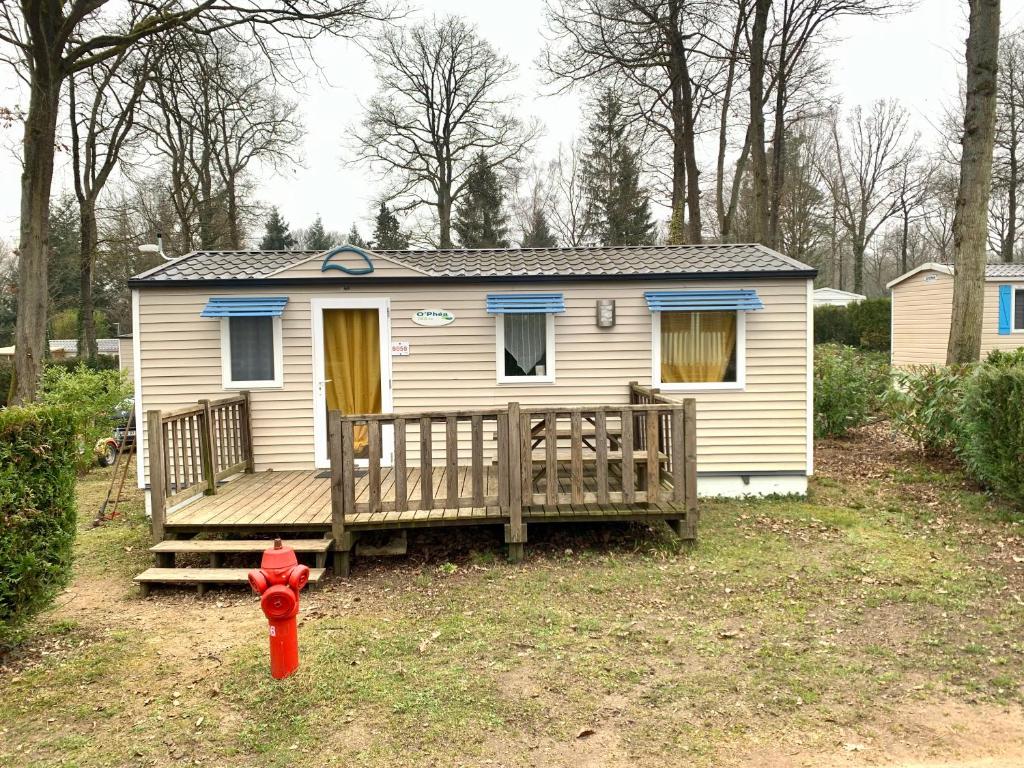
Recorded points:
707,259
1004,270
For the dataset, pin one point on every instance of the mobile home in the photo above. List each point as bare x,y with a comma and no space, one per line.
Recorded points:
922,311
562,338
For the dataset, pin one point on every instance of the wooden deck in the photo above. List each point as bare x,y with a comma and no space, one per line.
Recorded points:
300,501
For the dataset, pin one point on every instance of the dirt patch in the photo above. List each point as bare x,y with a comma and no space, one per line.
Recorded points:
943,734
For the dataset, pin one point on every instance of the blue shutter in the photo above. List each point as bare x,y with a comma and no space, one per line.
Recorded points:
1005,306
694,301
524,303
245,306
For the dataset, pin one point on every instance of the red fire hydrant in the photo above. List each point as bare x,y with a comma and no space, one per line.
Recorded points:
279,579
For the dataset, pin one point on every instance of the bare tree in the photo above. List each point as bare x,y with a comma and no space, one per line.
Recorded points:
102,104
970,225
868,155
48,42
441,100
569,217
212,114
1008,155
662,49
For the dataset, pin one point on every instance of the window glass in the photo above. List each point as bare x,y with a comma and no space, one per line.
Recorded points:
252,348
1018,309
698,347
526,344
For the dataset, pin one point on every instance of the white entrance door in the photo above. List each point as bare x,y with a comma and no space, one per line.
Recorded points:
351,367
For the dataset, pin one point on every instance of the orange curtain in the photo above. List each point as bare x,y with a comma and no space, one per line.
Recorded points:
697,346
352,364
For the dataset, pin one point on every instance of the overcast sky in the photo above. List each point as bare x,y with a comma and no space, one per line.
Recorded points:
914,57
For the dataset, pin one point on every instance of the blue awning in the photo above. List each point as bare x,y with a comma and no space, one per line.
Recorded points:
524,303
245,306
692,301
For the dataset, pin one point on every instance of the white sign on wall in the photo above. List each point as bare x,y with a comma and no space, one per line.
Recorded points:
400,348
433,317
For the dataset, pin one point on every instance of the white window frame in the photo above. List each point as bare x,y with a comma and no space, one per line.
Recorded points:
499,353
225,359
1014,287
704,386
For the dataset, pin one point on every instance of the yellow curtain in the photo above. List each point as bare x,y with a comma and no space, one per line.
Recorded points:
697,346
352,364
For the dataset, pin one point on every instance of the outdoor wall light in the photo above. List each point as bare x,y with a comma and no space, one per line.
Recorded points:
606,313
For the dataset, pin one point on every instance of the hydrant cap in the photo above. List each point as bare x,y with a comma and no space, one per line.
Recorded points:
278,556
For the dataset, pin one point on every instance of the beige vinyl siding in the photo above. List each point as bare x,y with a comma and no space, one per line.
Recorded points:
922,308
763,428
922,315
126,358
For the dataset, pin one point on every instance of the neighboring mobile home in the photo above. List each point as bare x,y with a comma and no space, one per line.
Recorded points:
922,310
835,297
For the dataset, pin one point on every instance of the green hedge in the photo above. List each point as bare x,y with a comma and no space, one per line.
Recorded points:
101,363
849,387
974,411
864,324
993,424
37,510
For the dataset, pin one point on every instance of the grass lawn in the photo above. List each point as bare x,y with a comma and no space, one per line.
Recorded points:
879,622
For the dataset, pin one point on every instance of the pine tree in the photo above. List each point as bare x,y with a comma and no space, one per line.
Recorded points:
480,220
354,238
618,207
538,233
317,238
387,236
277,236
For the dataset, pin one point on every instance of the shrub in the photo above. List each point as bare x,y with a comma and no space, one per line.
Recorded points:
993,419
864,324
6,378
924,404
832,325
849,386
871,320
37,510
90,397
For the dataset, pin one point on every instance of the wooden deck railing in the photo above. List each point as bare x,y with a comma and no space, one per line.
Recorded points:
496,462
191,449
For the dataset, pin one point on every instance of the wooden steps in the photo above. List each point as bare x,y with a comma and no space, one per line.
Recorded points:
204,577
166,550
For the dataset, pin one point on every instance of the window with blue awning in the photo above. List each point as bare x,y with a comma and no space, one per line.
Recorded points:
745,299
245,306
524,303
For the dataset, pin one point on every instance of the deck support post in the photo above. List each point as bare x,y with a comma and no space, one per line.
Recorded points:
515,531
340,465
690,458
157,481
250,462
206,447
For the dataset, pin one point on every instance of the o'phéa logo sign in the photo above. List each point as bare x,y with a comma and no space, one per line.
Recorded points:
433,317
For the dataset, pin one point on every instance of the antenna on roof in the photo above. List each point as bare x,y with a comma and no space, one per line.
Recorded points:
157,247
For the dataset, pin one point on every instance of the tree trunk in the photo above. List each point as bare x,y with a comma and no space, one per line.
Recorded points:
904,240
677,233
971,216
444,216
858,267
34,235
758,158
1006,252
87,267
690,154
778,177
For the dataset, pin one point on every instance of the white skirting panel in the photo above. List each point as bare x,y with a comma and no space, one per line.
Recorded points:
735,486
